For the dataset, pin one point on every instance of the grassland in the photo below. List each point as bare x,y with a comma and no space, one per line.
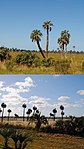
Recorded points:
75,65
42,140
49,141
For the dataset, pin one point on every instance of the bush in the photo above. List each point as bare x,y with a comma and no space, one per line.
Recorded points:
48,62
28,59
62,66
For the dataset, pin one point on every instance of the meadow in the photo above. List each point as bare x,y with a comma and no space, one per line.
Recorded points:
73,64
42,140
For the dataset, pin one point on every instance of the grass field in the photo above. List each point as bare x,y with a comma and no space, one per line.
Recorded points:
49,141
42,140
75,66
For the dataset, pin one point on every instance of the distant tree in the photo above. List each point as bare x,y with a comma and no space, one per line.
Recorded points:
47,26
54,111
16,116
28,113
36,37
24,106
3,105
9,111
62,108
34,108
64,41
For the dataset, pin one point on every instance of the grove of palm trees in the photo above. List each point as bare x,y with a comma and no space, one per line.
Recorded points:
44,61
29,130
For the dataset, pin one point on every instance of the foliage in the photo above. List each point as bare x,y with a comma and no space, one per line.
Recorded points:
28,59
20,139
62,66
48,62
4,54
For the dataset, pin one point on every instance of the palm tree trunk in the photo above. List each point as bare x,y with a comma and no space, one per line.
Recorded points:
2,115
8,116
47,42
62,53
23,113
40,49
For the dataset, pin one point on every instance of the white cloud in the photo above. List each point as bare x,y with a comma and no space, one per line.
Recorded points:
1,84
13,99
28,82
38,101
63,98
16,90
80,92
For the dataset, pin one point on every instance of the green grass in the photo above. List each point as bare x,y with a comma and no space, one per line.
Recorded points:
75,66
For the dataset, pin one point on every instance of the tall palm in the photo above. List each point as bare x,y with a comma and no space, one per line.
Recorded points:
0,111
3,105
28,113
34,108
36,37
62,108
9,111
54,111
66,35
63,41
47,26
24,107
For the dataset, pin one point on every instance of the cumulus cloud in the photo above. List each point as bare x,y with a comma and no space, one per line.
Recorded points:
80,92
63,98
28,82
39,101
13,99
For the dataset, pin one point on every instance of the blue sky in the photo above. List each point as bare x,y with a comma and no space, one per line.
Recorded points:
19,17
44,91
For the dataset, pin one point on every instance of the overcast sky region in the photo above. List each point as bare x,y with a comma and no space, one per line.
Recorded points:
46,92
19,17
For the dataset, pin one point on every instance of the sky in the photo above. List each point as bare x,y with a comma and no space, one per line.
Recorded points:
46,92
18,18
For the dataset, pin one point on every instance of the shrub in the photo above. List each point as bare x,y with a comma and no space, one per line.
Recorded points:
48,62
62,66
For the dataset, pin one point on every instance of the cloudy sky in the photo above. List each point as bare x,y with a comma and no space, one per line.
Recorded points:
44,91
19,17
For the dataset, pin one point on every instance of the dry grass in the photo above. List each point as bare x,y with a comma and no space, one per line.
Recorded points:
75,67
45,140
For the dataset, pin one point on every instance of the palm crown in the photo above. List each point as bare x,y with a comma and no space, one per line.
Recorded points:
36,35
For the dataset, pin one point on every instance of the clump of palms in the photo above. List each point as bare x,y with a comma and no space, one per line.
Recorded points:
47,26
38,118
63,41
6,133
20,139
36,37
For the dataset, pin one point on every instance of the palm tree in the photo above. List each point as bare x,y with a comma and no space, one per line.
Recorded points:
0,111
24,106
28,113
64,41
3,105
36,37
62,108
9,111
47,26
34,108
54,111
